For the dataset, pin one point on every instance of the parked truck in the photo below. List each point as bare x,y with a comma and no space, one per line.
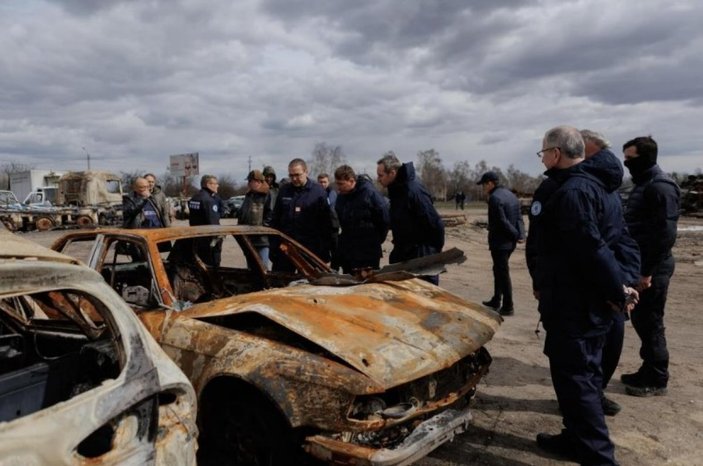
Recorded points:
23,183
82,199
97,195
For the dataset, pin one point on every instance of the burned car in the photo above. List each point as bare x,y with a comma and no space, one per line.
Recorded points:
374,370
81,381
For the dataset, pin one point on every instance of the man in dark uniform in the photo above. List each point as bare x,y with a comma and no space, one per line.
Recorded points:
652,213
417,228
303,213
580,283
601,161
364,218
205,209
505,230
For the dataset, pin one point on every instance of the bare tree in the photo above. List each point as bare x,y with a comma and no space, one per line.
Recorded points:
432,173
228,186
325,159
520,181
460,178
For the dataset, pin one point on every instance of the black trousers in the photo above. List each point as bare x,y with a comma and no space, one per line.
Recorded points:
502,286
575,365
612,349
648,321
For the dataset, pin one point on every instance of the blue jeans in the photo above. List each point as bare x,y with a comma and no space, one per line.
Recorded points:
264,254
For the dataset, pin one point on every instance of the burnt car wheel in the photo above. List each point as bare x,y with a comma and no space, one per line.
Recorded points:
44,224
244,429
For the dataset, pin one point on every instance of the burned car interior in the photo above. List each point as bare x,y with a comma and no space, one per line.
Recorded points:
54,345
193,278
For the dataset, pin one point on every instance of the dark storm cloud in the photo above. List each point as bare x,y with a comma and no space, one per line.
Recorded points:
138,80
375,29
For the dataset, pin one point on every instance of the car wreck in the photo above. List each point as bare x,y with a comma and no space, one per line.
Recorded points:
376,369
81,381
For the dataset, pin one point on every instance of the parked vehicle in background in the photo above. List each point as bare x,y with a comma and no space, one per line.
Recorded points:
81,381
233,204
356,370
97,194
22,183
34,216
43,196
82,199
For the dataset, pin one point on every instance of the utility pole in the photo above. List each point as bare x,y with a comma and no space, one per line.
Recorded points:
249,164
87,154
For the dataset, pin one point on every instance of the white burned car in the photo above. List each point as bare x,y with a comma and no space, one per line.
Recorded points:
81,381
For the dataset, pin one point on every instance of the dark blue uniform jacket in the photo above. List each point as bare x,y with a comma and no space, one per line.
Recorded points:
205,208
364,218
305,214
505,225
584,255
652,212
417,227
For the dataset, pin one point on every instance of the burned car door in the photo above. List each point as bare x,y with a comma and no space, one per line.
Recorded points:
60,346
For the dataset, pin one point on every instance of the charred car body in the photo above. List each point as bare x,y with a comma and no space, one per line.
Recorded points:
374,371
81,381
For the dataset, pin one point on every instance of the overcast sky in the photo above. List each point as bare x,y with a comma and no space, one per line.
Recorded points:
132,82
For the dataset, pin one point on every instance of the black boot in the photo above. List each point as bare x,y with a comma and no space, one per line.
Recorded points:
493,303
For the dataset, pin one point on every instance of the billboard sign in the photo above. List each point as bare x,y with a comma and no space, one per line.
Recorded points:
184,164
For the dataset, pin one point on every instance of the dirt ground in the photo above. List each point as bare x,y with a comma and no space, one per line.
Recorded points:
516,400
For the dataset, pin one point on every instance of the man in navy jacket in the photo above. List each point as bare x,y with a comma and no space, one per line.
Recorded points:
580,283
303,213
364,218
652,213
505,229
417,228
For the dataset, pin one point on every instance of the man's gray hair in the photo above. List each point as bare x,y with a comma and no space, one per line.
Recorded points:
596,138
206,179
566,138
389,162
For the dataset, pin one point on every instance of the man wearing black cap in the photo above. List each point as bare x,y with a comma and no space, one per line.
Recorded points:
505,229
651,213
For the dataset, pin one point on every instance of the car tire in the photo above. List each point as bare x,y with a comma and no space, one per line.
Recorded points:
244,429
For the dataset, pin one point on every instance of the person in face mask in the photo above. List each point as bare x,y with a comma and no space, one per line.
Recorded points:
651,213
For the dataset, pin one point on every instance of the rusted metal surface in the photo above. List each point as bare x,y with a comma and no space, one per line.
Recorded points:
126,402
325,356
426,437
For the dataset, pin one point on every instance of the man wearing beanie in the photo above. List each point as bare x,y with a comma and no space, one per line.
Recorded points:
651,213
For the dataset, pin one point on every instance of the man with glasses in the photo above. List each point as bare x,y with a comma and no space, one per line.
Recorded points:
580,283
160,198
303,213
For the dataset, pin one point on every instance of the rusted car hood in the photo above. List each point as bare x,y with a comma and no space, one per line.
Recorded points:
392,332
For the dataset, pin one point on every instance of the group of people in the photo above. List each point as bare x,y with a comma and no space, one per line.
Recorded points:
593,264
348,227
345,228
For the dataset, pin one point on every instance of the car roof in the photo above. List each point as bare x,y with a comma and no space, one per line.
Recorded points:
178,232
14,246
